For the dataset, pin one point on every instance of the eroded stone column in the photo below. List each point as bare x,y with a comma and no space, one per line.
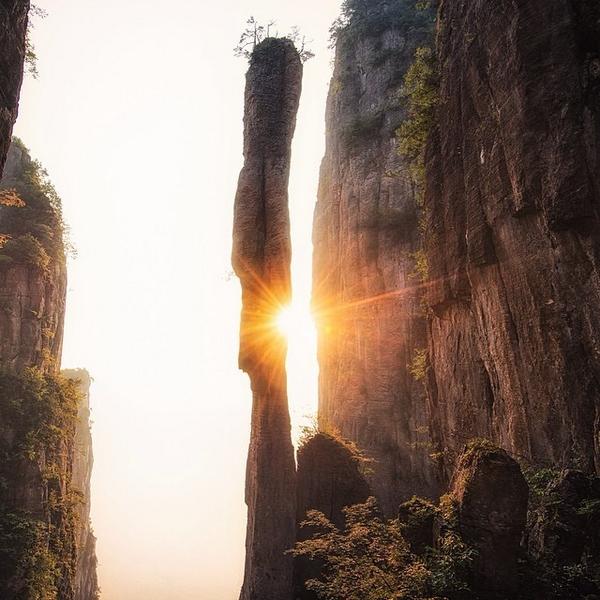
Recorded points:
261,259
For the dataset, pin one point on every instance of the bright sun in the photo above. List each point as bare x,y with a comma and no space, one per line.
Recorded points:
294,321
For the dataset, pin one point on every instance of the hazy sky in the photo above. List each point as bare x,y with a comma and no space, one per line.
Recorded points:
137,115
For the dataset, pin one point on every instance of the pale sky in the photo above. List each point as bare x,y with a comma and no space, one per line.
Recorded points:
137,116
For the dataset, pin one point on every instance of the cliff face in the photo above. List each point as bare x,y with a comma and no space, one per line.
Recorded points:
86,578
39,408
13,31
33,278
366,287
261,259
512,235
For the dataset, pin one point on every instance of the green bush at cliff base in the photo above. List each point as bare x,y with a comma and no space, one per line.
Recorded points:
370,560
38,413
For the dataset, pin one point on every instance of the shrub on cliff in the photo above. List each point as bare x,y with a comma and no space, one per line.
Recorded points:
256,33
372,17
420,92
30,204
37,551
370,559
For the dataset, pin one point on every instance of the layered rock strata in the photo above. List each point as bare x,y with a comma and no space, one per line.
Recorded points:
261,259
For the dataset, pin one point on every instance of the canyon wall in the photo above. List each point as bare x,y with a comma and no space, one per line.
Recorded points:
14,16
44,489
513,231
476,315
366,292
261,259
86,577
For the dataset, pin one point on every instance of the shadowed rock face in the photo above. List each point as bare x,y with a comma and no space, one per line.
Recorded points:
328,480
491,495
261,259
513,228
13,30
366,290
567,524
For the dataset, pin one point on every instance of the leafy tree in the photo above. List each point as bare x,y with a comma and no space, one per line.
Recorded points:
370,559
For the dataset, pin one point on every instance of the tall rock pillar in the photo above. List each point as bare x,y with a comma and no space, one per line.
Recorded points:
261,259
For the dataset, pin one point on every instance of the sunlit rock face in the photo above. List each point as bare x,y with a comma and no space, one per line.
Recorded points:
329,478
86,578
13,29
33,275
491,497
261,258
513,229
366,288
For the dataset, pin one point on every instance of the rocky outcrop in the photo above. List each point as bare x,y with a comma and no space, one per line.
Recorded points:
40,472
261,259
329,478
33,277
491,497
512,236
366,287
86,577
566,524
13,33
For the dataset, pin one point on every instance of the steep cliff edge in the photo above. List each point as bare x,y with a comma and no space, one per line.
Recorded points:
39,407
261,259
512,236
13,47
86,577
366,288
33,278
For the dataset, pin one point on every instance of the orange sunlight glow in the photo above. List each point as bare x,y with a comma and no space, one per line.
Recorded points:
296,323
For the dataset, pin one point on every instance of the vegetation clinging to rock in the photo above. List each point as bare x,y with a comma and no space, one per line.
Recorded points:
371,560
37,549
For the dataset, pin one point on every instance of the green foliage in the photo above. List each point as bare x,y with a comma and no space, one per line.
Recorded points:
372,17
32,223
39,416
26,249
26,556
370,559
420,364
420,91
31,59
322,428
421,270
539,479
256,34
